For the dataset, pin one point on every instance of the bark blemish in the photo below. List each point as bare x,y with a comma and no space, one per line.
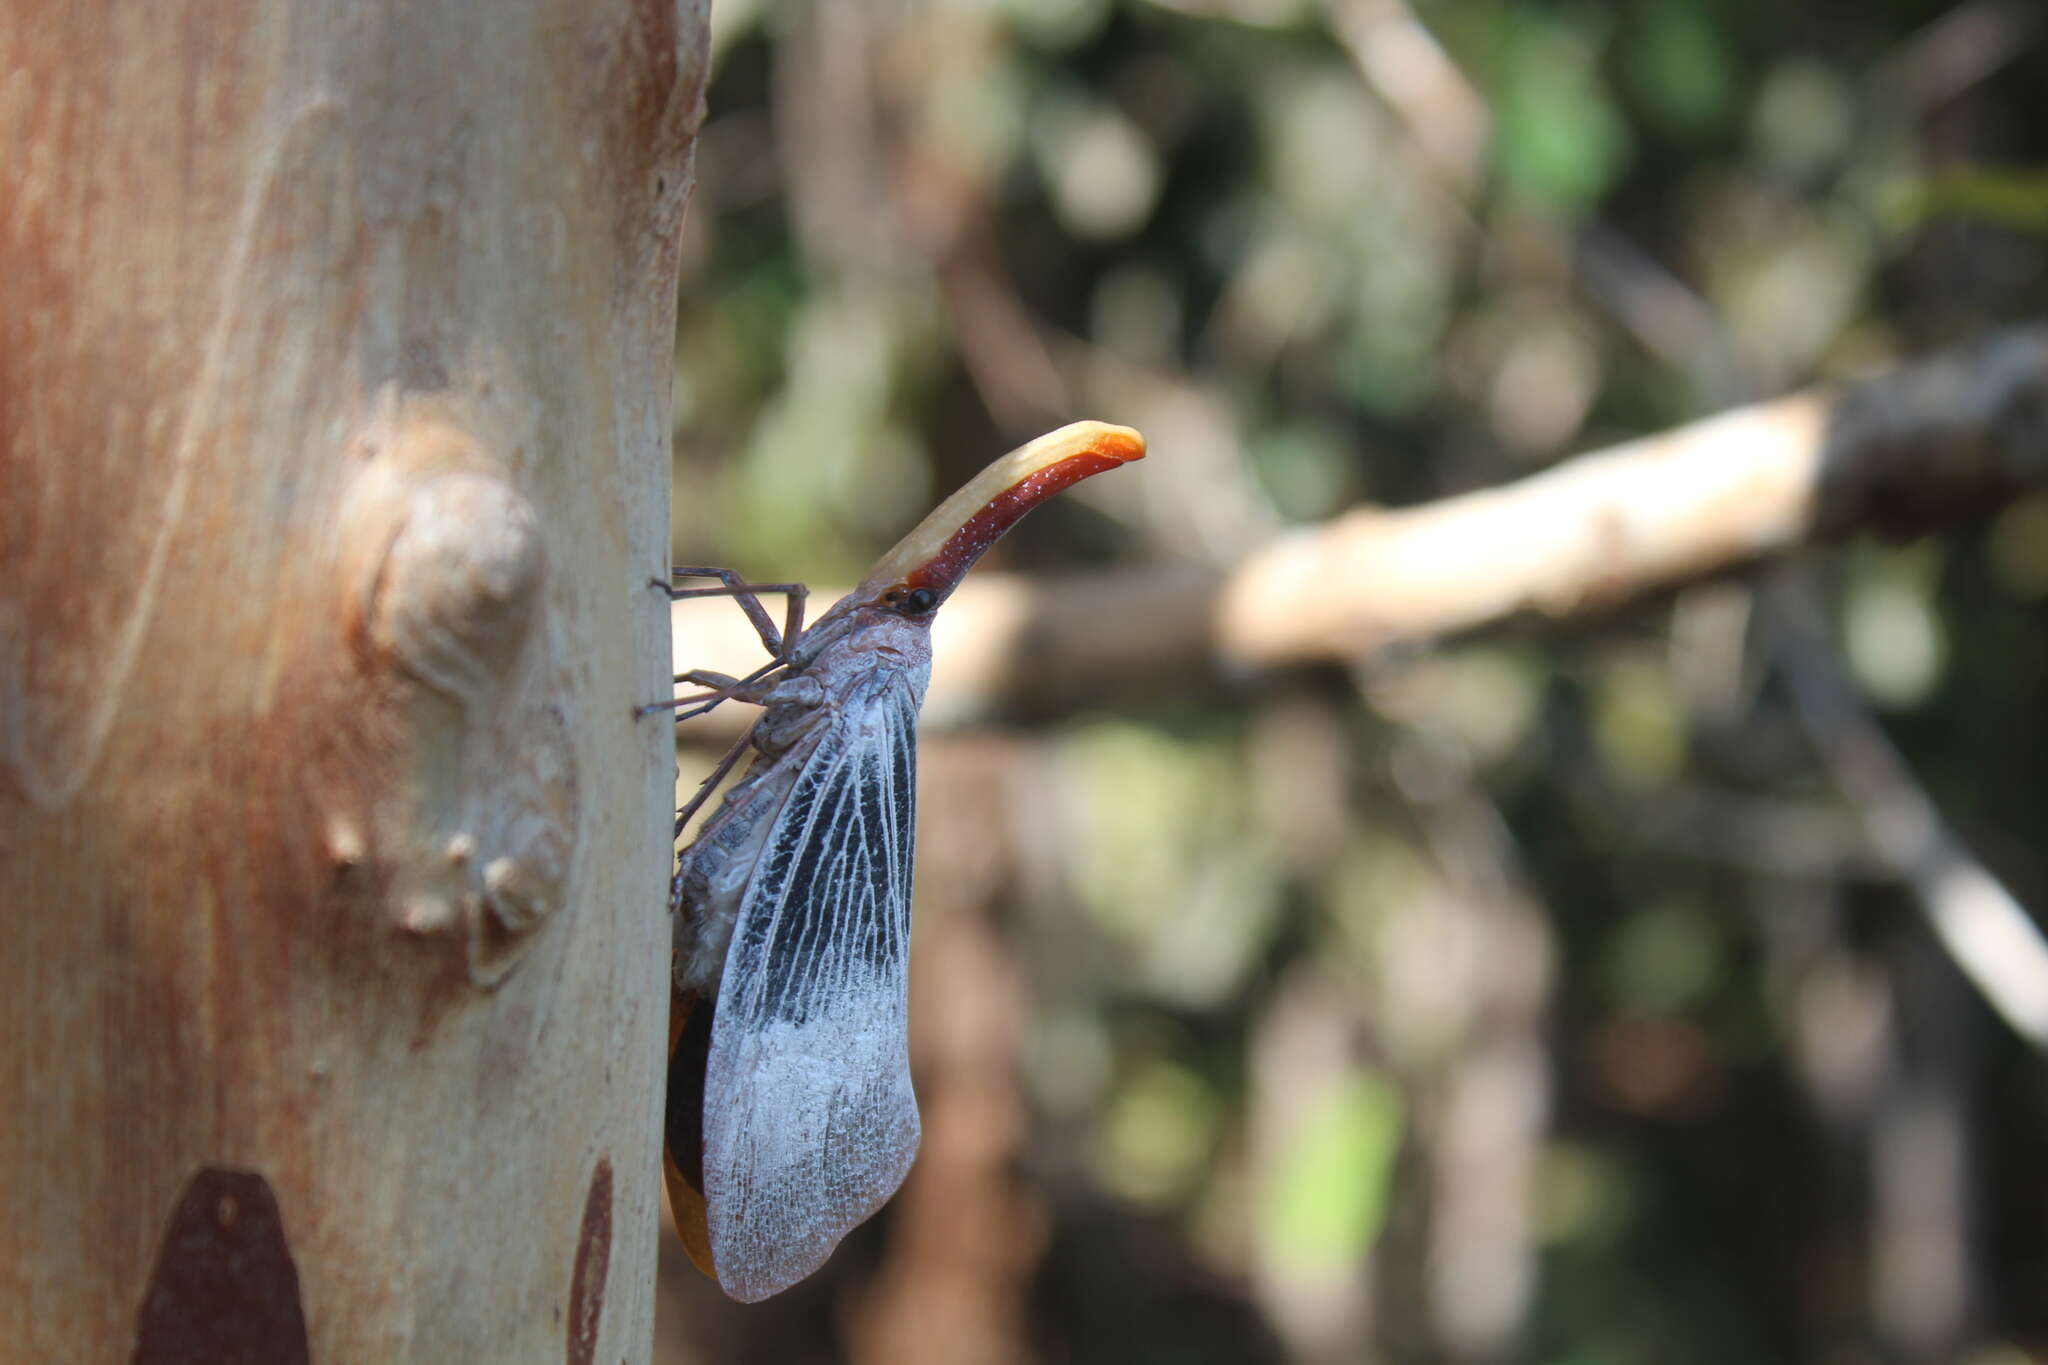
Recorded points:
224,1290
593,1262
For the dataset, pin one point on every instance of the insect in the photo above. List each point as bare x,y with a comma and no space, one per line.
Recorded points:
790,1115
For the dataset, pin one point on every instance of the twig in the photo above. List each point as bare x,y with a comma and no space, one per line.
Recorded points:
1440,110
1929,446
1590,532
1985,930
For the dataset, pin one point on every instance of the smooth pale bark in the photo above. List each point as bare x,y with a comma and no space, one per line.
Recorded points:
334,371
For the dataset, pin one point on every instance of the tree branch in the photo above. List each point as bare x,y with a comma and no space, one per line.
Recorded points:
1926,447
1988,933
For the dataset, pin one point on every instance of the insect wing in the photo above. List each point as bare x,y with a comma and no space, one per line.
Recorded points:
810,1123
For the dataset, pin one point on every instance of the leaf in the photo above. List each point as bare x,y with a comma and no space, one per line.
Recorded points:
1331,1184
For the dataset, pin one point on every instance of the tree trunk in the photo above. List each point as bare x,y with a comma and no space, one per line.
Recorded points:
334,370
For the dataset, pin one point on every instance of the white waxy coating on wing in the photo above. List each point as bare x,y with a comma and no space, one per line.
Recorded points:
810,1120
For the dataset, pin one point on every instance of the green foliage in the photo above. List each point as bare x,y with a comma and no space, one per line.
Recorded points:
1675,58
2008,198
1562,140
1331,1183
1665,959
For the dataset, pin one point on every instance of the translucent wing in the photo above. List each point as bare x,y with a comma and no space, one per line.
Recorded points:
809,1120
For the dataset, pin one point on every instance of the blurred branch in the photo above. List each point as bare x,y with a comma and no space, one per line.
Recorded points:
1666,316
1923,448
1777,836
1401,60
1592,531
1955,52
947,212
1985,930
1912,451
1492,1107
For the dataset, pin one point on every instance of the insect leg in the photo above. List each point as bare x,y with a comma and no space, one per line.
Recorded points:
723,688
747,595
710,784
704,677
793,595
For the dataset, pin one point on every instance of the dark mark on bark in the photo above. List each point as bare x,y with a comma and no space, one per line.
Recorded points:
593,1261
224,1290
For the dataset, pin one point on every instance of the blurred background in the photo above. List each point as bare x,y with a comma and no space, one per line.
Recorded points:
1546,994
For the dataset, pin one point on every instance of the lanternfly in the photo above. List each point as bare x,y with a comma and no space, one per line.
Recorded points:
790,1116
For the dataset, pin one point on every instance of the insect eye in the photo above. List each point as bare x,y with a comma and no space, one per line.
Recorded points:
917,601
